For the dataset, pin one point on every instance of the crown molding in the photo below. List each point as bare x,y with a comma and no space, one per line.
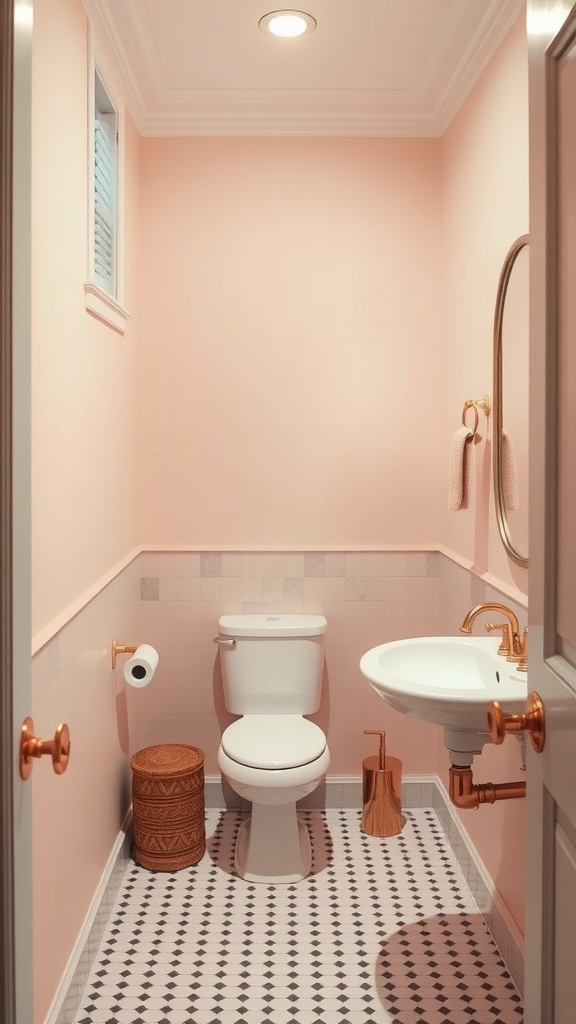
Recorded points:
330,113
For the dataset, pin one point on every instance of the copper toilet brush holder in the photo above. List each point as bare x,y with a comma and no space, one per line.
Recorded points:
381,786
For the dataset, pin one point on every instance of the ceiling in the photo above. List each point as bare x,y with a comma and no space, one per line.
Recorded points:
371,68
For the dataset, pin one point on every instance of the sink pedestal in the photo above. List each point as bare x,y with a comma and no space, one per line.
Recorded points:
462,746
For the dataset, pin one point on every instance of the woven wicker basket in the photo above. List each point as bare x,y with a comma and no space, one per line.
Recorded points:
168,806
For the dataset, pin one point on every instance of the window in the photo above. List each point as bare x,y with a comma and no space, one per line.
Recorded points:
104,199
104,286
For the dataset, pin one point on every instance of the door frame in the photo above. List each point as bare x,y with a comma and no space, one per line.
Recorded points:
16,957
7,909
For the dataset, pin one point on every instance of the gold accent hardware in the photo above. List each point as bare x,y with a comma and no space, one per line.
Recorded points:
504,648
498,425
382,747
31,746
489,606
516,647
532,722
464,793
381,786
120,649
523,660
484,404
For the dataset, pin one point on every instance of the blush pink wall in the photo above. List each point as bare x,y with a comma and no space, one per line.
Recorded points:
83,372
289,350
484,208
83,500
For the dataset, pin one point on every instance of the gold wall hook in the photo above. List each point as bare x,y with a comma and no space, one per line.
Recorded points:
485,404
120,649
532,722
31,746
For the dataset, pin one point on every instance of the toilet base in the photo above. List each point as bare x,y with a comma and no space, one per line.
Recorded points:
273,846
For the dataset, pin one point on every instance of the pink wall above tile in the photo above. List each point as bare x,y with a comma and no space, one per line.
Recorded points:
290,310
484,208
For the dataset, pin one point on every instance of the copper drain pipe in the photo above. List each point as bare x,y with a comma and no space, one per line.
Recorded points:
464,793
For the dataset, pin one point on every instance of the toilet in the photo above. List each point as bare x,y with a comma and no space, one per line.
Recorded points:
272,756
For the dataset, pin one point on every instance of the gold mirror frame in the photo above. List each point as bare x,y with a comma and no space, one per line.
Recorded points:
497,408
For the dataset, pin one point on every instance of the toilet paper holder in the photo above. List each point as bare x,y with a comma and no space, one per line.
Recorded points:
120,649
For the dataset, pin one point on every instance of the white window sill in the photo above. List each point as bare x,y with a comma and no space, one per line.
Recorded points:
105,308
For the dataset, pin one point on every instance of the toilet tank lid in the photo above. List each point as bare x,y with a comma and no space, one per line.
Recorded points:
272,625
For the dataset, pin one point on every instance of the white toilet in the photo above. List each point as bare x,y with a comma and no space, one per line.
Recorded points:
273,756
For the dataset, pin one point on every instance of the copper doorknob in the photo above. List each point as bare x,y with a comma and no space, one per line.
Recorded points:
31,746
532,722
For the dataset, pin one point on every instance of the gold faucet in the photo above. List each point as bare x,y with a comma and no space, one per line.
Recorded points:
513,647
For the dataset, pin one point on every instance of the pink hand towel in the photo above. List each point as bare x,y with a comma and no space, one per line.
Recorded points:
459,470
509,472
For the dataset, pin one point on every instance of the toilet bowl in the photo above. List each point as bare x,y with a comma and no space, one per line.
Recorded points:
272,756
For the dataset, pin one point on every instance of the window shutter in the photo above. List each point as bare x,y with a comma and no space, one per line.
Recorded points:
104,200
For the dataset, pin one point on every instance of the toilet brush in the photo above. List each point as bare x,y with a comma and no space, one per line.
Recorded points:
381,782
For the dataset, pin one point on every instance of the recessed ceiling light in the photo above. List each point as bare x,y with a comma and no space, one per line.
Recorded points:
287,23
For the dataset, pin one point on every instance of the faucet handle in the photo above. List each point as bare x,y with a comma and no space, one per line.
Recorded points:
522,665
505,646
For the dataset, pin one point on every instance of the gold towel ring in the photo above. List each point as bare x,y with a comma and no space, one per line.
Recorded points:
470,404
476,403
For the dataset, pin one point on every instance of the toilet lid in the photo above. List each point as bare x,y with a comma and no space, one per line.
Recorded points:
273,741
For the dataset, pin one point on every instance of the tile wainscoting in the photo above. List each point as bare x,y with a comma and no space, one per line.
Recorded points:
368,598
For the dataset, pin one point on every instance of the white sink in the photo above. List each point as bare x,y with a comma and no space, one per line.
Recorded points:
447,680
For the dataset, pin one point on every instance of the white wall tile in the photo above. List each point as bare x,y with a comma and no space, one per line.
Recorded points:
148,563
189,564
355,564
314,588
293,565
395,588
168,564
190,588
252,566
211,588
169,588
273,565
416,563
376,564
273,589
252,588
416,588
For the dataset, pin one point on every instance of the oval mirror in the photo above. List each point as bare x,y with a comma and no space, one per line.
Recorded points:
510,409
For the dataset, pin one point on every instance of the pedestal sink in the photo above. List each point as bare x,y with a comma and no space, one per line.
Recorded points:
447,680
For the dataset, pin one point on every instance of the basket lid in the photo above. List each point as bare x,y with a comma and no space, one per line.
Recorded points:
167,759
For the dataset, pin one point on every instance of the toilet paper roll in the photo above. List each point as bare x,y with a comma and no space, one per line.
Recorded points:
140,668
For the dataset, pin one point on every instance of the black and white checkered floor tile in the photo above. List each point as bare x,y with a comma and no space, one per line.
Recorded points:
384,931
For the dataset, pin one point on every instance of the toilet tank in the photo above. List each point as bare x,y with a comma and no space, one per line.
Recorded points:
274,664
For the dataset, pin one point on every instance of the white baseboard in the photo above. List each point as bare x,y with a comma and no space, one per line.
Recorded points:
335,791
500,923
66,1002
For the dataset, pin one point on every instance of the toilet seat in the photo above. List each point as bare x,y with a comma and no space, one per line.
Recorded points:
273,741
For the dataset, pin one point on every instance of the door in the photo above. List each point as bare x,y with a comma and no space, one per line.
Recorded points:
16,995
551,878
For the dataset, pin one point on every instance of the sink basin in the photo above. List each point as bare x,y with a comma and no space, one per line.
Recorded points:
447,680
